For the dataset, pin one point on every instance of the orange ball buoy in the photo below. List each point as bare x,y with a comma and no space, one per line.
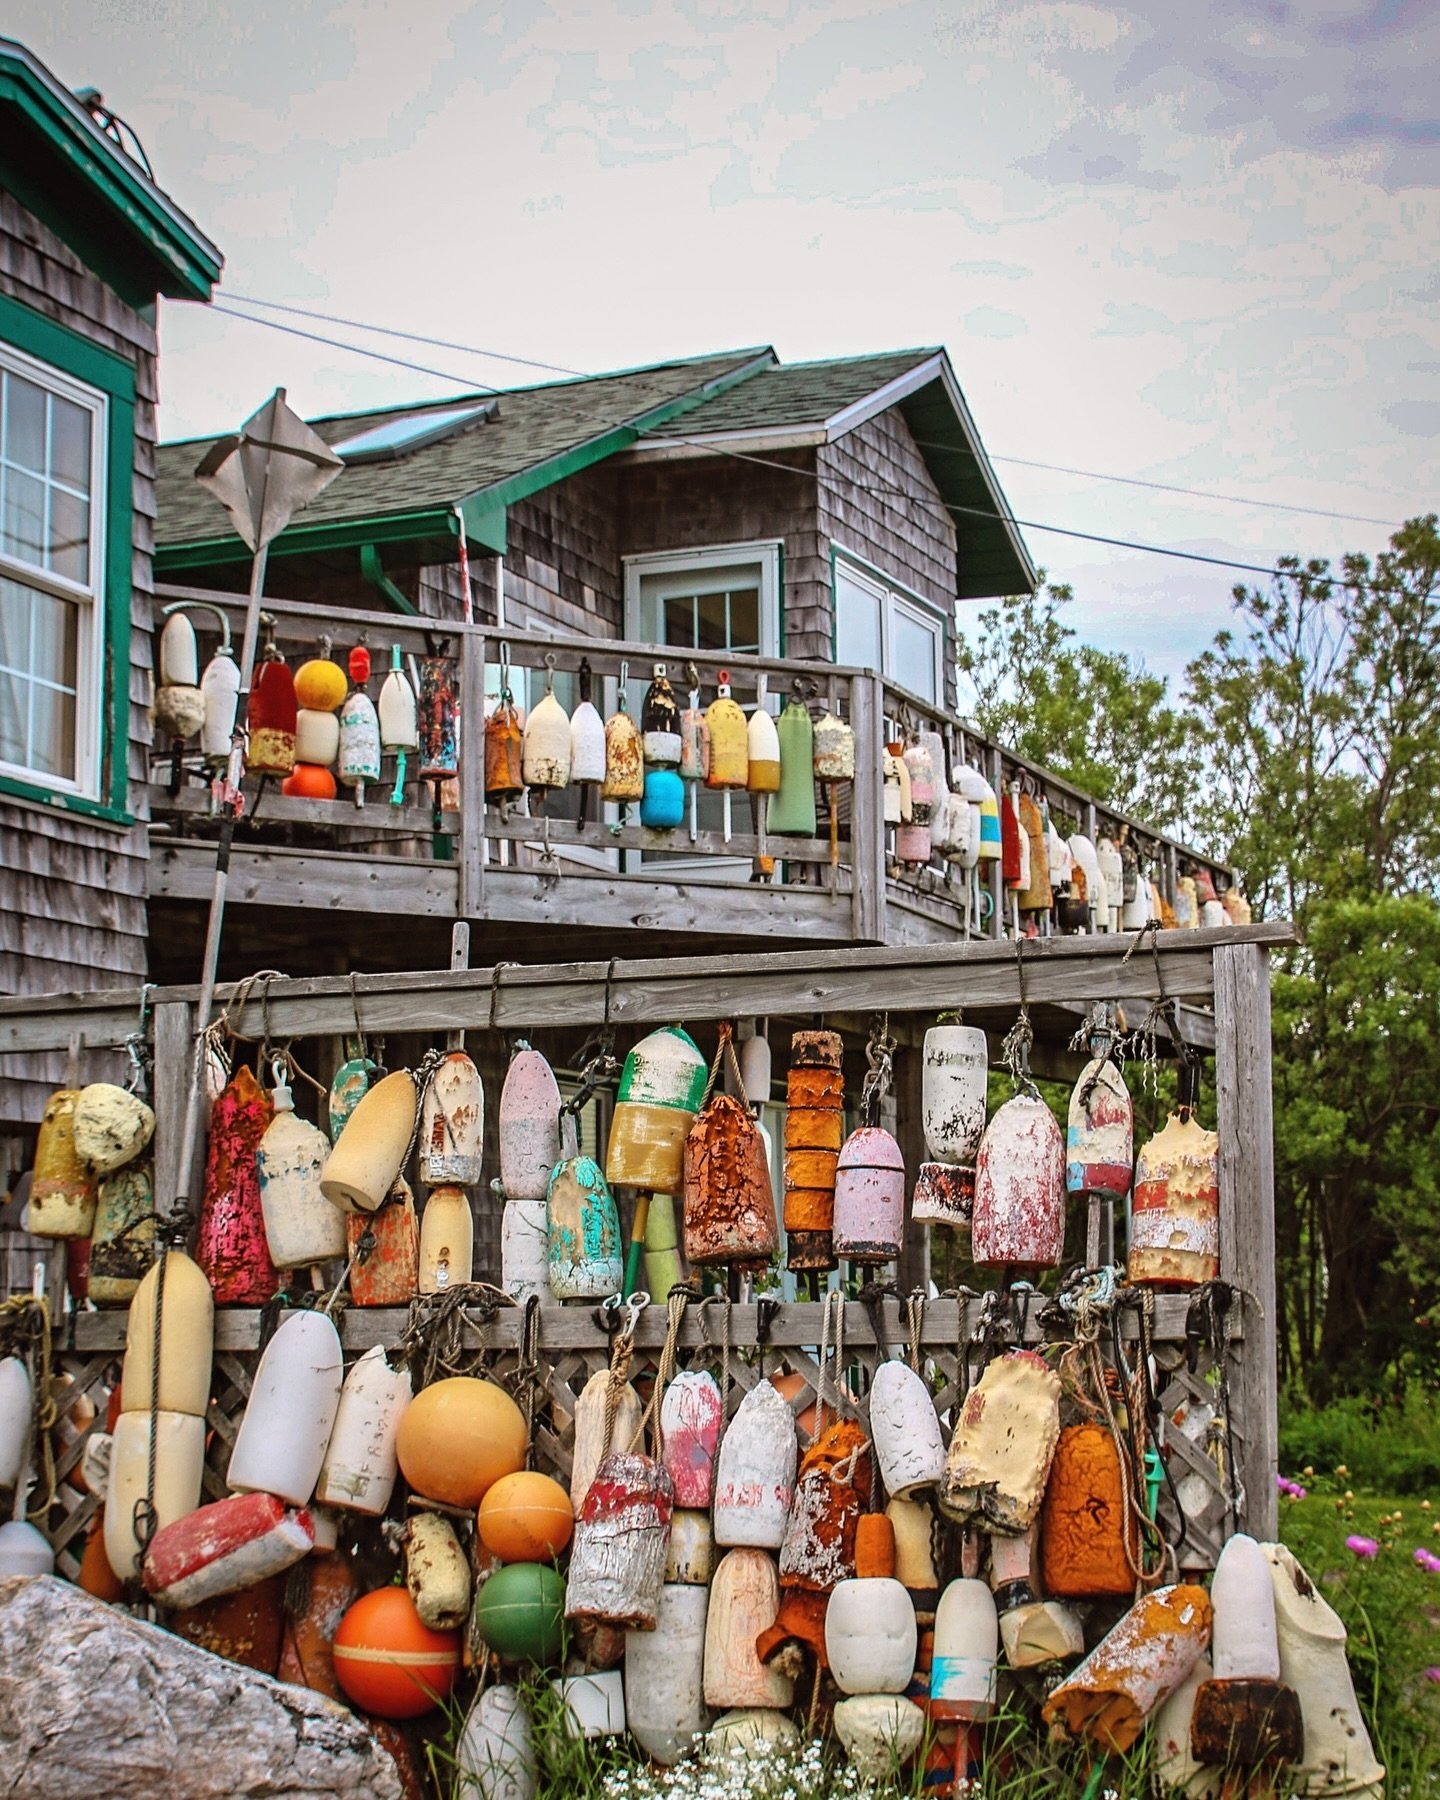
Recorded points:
526,1518
308,781
388,1662
458,1437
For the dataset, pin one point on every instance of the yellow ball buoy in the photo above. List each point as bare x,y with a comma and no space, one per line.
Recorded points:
526,1517
320,685
458,1437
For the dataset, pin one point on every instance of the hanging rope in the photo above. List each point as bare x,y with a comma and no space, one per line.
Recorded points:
1015,1050
527,1371
880,1073
725,1047
679,1298
25,1332
723,1303
622,1349
915,1322
832,1320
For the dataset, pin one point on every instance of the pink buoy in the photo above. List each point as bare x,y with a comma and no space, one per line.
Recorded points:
1019,1217
691,1415
529,1126
869,1197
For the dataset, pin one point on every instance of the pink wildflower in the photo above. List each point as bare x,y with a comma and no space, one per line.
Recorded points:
1428,1561
1363,1546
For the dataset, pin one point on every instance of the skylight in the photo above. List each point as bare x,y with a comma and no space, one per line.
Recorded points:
408,432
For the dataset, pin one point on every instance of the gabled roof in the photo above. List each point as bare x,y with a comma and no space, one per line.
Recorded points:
815,403
62,167
535,436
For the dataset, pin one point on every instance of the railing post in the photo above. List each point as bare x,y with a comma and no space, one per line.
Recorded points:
175,1052
867,812
472,775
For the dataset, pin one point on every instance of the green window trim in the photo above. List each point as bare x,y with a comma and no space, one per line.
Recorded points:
65,350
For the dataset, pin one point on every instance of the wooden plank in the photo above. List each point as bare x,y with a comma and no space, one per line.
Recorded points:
471,899
913,1269
867,822
575,1327
340,814
174,1070
1247,1215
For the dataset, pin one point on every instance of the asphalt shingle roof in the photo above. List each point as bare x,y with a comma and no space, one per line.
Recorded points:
803,393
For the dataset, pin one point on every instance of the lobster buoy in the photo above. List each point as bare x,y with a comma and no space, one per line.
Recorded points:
123,1245
662,1084
524,1251
1107,1699
62,1190
906,1431
17,1411
452,1124
520,1613
187,1332
912,1526
690,1555
870,1636
820,1552
592,1705
285,1429
894,791
349,1086
694,740
388,1274
664,1265
1112,879
317,738
869,1197
447,1241
692,1414
664,1676
1175,1215
793,811
1089,1544
358,1473
179,657
1084,858
1033,1632
111,1126
227,1545
220,696
24,1550
439,719
834,745
529,1125
526,1517
389,1661
729,1201
617,1558
546,746
359,756
729,765
495,1757
879,1732
624,757
308,781
662,804
1019,1217
399,721
301,1226
1099,1139
967,1650
580,1224
814,1129
660,723
179,1466
270,717
755,1477
1037,894
457,1438
912,840
437,1572
1001,1450
587,733
592,1445
758,1731
361,1170
955,1065
744,1599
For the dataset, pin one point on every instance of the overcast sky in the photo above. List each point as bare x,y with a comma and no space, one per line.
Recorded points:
1188,241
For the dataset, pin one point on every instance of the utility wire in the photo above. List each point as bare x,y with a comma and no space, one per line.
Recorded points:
881,490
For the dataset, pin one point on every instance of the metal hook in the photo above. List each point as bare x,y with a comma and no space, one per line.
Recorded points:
549,672
632,1308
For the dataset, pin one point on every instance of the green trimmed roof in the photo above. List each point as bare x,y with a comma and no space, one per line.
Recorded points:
537,436
798,394
75,178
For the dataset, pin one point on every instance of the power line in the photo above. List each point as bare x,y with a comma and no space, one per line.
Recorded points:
314,337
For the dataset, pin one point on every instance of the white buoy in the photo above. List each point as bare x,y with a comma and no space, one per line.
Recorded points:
870,1636
285,1430
179,1466
594,1703
17,1401
24,1550
744,1600
1243,1643
495,1758
360,1463
755,1480
529,1126
664,1675
452,1124
524,1249
880,1732
905,1430
301,1226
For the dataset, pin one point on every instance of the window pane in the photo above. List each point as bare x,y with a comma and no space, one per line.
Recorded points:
70,443
680,622
52,639
745,620
713,632
69,535
22,521
915,643
857,624
24,423
52,732
38,662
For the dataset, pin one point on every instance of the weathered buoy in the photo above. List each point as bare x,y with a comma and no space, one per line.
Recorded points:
1033,1632
1107,1699
814,1129
123,1245
1019,1218
1004,1440
583,1248
285,1429
1099,1148
869,1197
529,1125
17,1409
111,1126
447,1241
912,841
591,1444
524,1251
452,1124
750,1731
660,722
587,733
301,1226
231,1245
792,813
525,1517
230,1544
729,739
389,1273
361,1170
220,697
912,1525
545,748
664,1265
955,1066
349,1085
967,1649
358,1474
438,718
62,1190
520,1613
1112,881
624,756
617,1557
437,1571
832,1490
270,715
664,1676
880,1733
744,1599
755,1476
662,1084
179,657
592,1705
457,1437
179,1466
359,758
389,1662
495,1757
870,1636
729,1202
692,1414
187,1332
1088,1536
1175,1214
1176,1770
690,1554
906,1430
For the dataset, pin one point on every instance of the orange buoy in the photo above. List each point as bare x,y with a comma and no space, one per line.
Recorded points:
388,1662
526,1517
458,1437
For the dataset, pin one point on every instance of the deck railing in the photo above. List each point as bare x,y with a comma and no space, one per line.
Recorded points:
446,853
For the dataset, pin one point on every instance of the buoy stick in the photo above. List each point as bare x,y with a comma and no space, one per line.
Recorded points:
636,1252
962,1756
834,824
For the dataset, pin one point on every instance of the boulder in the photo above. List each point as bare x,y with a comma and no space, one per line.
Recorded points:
93,1701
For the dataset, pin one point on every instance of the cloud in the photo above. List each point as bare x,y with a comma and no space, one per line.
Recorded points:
1415,418
990,322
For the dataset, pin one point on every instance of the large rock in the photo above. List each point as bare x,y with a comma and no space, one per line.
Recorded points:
93,1702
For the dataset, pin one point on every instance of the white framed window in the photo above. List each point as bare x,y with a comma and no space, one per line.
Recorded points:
888,629
723,598
52,560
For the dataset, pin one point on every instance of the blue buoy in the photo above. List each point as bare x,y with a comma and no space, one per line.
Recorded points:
662,807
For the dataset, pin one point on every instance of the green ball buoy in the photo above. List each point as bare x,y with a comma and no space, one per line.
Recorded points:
521,1613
